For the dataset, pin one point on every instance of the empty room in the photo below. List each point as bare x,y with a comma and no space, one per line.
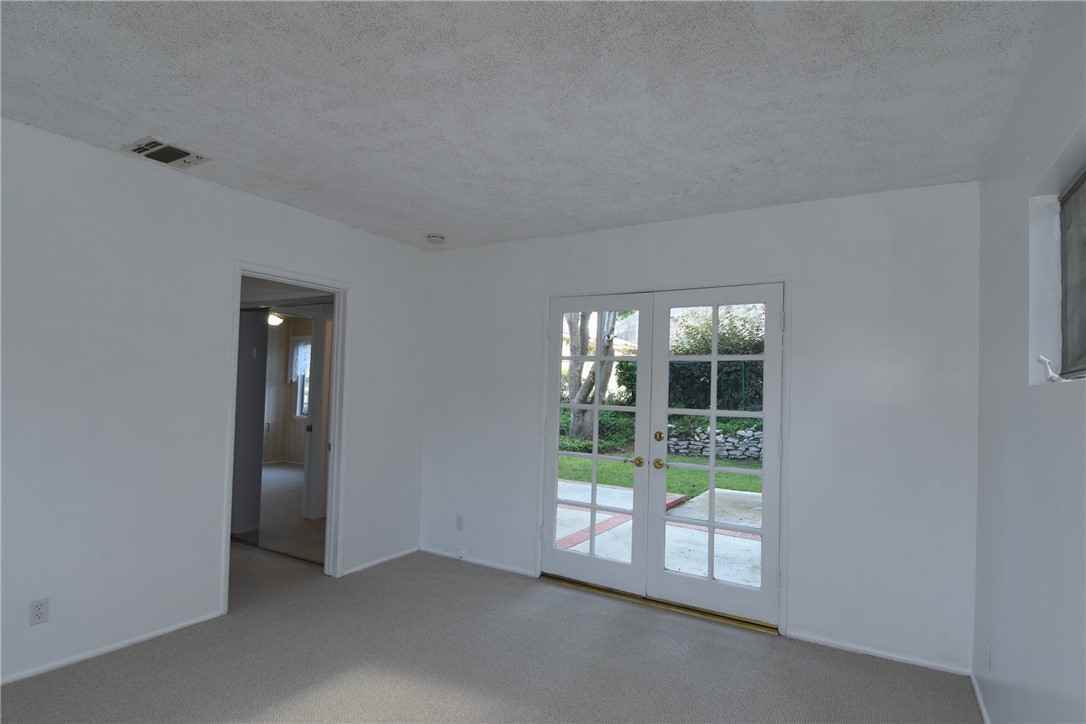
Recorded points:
543,361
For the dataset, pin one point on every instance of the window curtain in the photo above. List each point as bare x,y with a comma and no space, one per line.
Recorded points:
1073,271
299,358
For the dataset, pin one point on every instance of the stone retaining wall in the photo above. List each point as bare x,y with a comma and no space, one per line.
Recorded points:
740,445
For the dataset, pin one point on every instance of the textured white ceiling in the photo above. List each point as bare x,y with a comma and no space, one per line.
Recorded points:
499,121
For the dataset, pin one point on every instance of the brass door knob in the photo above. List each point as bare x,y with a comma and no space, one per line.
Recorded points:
659,436
659,464
637,461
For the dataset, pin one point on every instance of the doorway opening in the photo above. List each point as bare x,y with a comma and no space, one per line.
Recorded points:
282,422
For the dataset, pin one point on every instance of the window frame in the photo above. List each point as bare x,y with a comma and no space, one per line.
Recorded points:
1072,231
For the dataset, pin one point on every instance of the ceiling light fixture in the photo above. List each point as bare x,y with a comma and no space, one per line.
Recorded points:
274,320
435,239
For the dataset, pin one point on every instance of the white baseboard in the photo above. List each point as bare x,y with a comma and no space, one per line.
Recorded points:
980,699
484,564
378,562
106,649
834,644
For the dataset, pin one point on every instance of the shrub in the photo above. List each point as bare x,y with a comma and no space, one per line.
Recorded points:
686,426
626,377
739,384
616,430
731,425
616,433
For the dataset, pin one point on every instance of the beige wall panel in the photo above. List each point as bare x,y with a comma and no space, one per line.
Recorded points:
275,392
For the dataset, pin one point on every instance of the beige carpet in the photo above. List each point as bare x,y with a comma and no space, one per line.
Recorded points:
424,638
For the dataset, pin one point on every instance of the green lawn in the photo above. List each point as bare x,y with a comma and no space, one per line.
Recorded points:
681,481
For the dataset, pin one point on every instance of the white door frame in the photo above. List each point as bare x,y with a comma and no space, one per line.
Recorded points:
612,289
333,541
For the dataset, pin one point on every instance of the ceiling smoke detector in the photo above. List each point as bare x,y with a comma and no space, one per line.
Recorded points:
435,239
163,152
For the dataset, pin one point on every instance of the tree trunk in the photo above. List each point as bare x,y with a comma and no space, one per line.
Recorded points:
606,366
582,421
577,324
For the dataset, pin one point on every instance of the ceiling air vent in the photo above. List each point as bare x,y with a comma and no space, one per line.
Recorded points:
163,152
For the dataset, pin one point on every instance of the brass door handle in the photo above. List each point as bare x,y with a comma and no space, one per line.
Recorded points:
659,436
638,461
659,464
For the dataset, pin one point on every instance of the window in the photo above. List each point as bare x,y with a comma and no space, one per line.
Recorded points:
302,406
1073,279
300,351
1057,268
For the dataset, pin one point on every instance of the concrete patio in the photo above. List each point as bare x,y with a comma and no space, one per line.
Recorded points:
736,554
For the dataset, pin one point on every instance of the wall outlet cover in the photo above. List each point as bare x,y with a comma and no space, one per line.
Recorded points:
39,611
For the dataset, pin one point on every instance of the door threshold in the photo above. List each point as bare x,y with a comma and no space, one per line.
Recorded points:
665,605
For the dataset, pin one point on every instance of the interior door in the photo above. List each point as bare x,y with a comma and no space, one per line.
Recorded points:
716,386
664,443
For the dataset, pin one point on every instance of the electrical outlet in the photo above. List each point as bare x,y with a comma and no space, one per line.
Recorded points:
39,611
460,552
460,521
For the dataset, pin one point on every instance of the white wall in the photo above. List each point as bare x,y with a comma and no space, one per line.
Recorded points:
115,436
1031,563
880,461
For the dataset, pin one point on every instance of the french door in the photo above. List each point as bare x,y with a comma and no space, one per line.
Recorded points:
663,465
